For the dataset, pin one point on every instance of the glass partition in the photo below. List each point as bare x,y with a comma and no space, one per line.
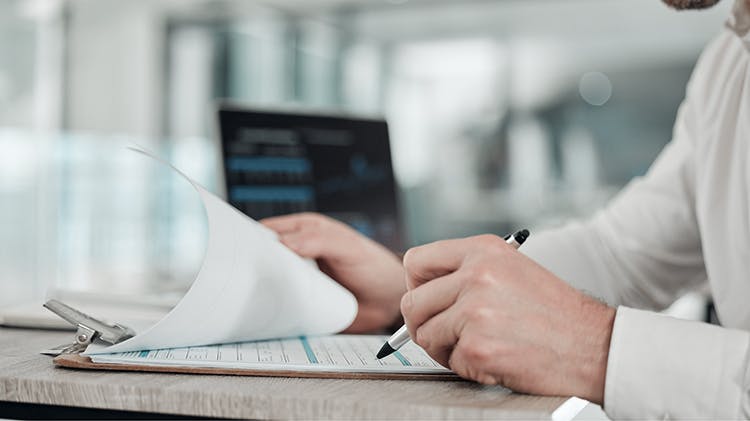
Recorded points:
503,114
88,213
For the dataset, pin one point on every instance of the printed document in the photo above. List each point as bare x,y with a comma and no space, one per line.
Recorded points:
336,353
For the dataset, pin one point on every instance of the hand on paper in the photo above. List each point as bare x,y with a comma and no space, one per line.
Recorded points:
493,315
372,273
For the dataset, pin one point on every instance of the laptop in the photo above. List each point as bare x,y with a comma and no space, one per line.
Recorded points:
278,163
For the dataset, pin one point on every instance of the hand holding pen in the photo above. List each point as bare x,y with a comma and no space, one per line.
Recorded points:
495,316
401,336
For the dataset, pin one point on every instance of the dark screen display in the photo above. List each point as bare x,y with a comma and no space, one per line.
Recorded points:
276,164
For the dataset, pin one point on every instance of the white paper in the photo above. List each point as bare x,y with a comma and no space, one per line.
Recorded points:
337,353
250,287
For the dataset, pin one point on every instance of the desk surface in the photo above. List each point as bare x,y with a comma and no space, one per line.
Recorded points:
28,377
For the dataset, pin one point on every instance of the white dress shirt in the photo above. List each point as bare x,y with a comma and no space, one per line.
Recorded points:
686,223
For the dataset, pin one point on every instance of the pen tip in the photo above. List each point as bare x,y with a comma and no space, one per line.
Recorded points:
385,351
522,235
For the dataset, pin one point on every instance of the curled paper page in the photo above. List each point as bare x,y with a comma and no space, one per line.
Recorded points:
250,287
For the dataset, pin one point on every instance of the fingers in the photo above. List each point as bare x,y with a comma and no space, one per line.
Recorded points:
308,244
470,358
422,303
433,260
312,235
301,232
291,223
439,334
424,263
437,259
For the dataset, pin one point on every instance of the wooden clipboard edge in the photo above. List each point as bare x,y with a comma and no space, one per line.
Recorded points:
77,361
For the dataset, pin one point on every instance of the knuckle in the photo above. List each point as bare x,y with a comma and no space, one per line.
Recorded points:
309,216
409,257
475,352
485,276
490,241
305,248
461,366
465,312
488,380
466,365
411,267
508,380
303,241
407,304
480,275
314,220
472,272
482,315
422,338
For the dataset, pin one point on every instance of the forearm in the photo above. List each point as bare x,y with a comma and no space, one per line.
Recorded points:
660,367
575,253
620,257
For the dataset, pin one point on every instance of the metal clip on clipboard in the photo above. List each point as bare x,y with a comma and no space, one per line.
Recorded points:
89,330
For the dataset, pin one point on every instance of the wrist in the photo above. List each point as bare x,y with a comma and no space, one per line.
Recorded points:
598,334
388,302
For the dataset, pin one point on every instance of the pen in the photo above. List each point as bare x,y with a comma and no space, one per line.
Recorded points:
398,339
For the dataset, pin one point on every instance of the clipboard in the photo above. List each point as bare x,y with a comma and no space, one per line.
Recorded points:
92,330
78,361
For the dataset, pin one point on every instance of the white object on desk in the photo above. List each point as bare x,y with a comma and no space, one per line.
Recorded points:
139,313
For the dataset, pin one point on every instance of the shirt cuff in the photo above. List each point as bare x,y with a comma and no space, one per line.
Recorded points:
662,367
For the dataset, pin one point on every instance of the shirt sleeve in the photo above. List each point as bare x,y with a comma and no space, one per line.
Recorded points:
660,367
643,250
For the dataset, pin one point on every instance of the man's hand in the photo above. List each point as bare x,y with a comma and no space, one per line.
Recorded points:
493,315
372,273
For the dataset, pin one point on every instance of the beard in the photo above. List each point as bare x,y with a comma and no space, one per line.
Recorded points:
690,4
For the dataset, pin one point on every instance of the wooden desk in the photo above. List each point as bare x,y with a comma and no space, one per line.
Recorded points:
28,377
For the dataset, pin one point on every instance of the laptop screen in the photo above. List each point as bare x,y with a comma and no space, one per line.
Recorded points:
279,163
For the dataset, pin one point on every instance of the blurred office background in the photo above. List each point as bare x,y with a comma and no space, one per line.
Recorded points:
503,113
